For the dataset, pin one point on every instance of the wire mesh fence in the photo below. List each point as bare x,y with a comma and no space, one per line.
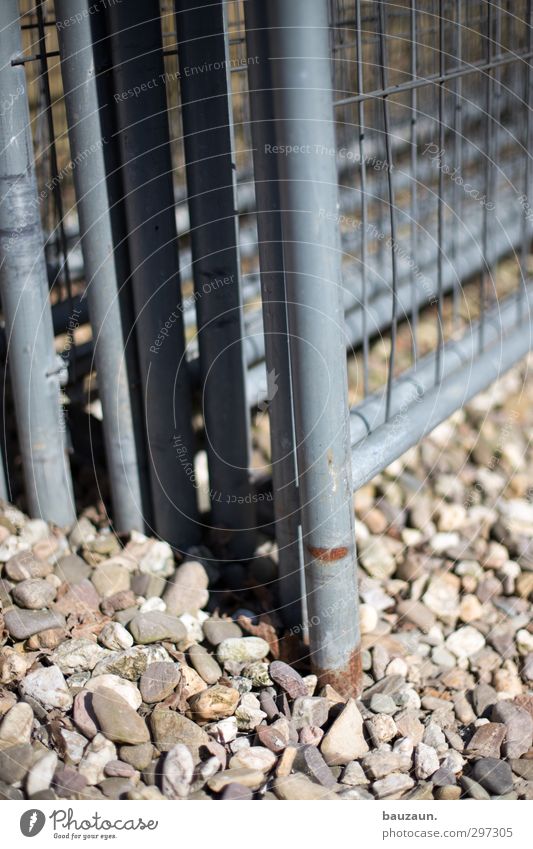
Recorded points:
254,250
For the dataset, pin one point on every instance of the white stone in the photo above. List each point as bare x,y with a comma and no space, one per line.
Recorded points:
114,636
78,655
17,724
254,757
98,753
426,761
465,642
153,603
48,687
178,770
368,618
41,774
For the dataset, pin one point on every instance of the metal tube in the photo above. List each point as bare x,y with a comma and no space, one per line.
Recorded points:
276,339
136,44
33,363
210,166
304,112
79,70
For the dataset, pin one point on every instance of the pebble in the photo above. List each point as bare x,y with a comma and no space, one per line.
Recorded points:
487,740
48,687
17,724
71,569
417,613
97,754
237,792
381,703
205,664
473,788
519,725
138,756
110,578
178,769
41,774
442,597
187,590
426,761
393,786
117,719
255,758
78,655
465,642
218,630
170,728
22,624
310,762
242,649
382,762
158,681
375,557
15,762
310,710
114,636
354,775
217,702
298,787
288,679
127,690
381,728
368,618
494,775
131,663
523,767
344,741
154,626
34,594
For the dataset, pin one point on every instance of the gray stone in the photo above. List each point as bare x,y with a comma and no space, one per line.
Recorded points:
426,761
310,710
309,761
473,789
138,756
33,594
154,626
117,720
22,624
380,703
15,762
237,792
158,681
169,728
519,725
288,679
205,664
78,655
187,590
72,569
487,740
218,630
483,697
494,775
382,762
298,787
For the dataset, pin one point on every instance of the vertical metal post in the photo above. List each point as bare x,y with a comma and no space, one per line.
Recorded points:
79,69
284,471
24,289
136,44
309,202
208,140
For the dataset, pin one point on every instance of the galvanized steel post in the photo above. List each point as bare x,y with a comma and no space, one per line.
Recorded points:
276,337
208,140
33,364
305,149
80,70
136,44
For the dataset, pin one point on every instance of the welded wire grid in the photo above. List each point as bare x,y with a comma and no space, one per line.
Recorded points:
434,127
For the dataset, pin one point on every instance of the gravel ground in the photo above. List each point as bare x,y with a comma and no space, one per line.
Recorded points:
124,675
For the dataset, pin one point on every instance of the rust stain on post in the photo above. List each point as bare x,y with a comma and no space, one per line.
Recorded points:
347,681
328,555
